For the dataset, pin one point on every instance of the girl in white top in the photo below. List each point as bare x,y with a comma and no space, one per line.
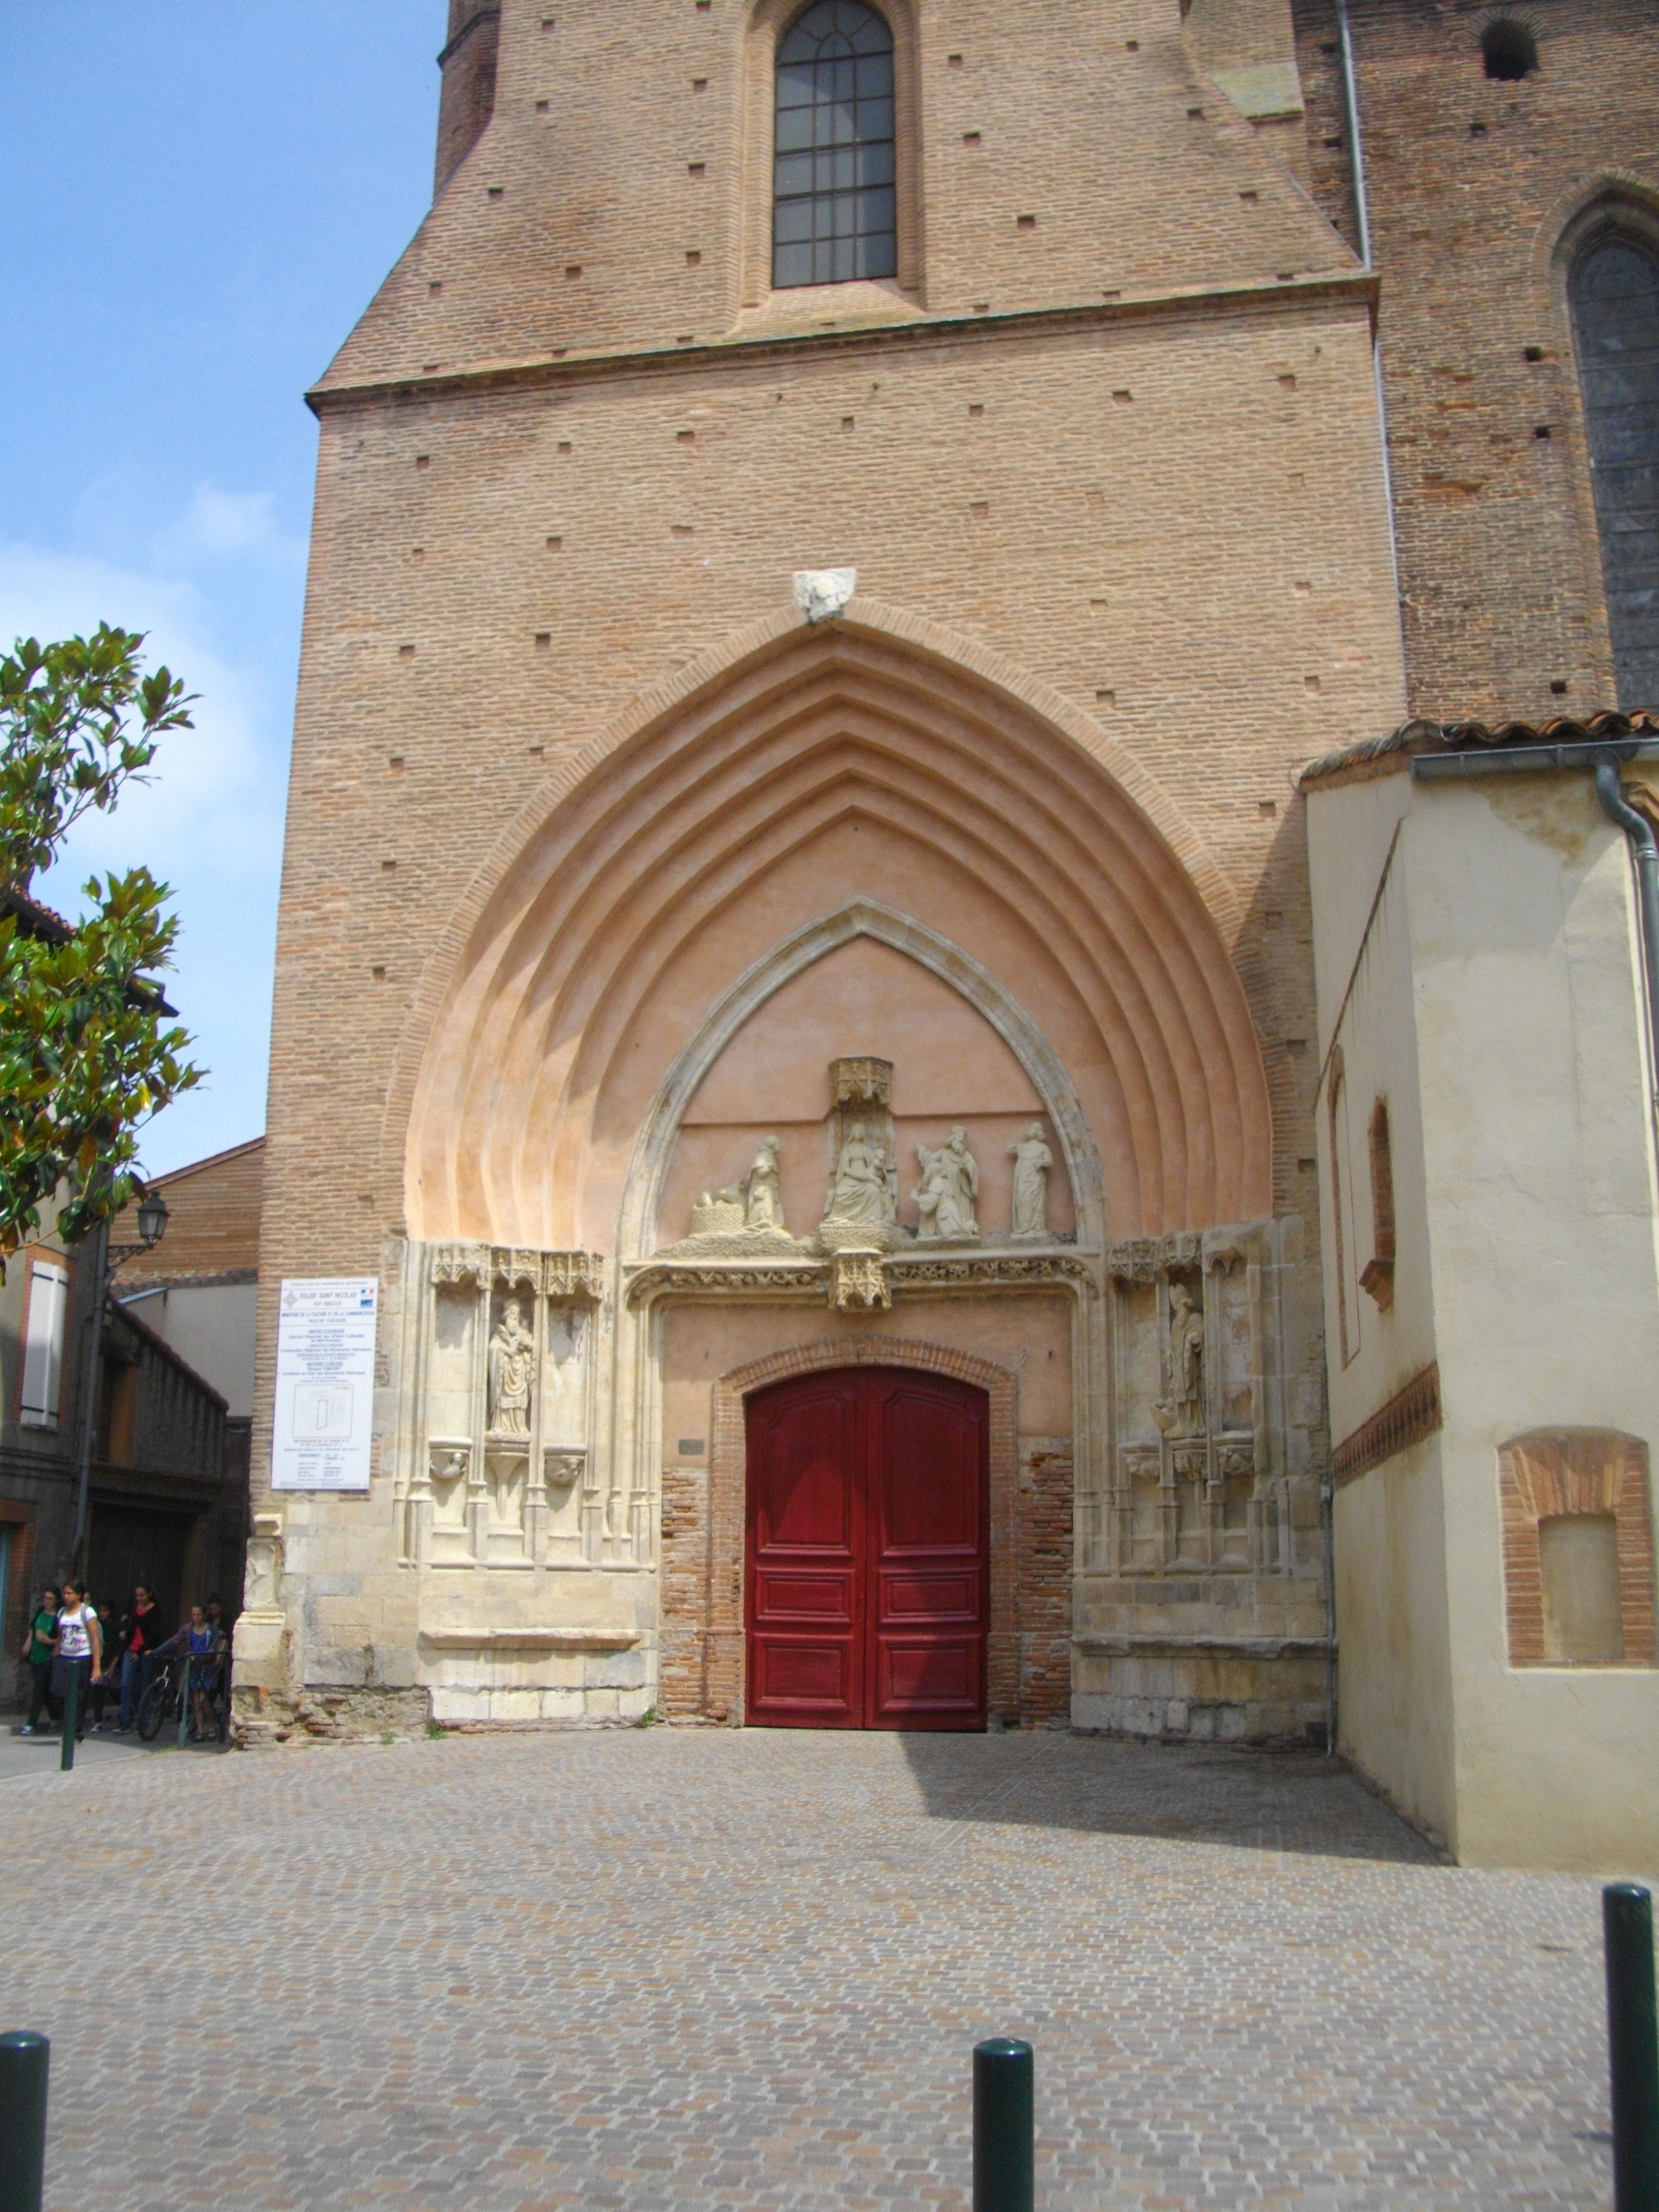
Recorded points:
80,1645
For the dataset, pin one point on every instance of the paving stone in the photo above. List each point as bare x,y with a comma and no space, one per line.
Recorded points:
728,1971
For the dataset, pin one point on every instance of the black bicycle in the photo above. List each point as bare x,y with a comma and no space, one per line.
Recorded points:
200,1677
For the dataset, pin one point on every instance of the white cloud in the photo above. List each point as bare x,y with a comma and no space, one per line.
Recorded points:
209,822
222,524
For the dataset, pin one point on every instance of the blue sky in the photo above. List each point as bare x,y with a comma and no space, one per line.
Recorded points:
200,198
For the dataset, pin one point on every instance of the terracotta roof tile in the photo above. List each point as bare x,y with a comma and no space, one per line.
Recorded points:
1420,736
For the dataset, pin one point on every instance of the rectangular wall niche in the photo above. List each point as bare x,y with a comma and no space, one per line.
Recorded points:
503,1474
1577,1549
1578,1562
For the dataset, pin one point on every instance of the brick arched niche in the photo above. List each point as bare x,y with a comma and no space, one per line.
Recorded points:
1577,1548
703,1644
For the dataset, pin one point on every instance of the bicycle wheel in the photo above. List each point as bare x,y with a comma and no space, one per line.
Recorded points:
153,1708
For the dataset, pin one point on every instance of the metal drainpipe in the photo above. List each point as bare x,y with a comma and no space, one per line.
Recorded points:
1356,146
1644,851
90,1398
1327,1518
1363,223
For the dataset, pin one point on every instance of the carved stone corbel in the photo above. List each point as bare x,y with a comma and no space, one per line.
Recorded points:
858,1282
561,1469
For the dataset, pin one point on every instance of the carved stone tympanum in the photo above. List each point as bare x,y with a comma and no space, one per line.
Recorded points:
746,1218
762,1202
949,1187
862,1191
1032,1160
725,1216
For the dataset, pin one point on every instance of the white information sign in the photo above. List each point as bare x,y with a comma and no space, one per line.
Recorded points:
325,1384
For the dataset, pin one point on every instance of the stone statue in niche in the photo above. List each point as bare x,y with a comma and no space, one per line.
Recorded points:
1032,1160
1180,1411
950,1184
861,1191
762,1203
512,1362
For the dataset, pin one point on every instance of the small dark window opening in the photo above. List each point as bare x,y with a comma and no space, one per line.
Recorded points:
1614,287
835,213
1509,49
1377,1278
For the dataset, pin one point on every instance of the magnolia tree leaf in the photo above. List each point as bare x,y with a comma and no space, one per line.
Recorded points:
87,1055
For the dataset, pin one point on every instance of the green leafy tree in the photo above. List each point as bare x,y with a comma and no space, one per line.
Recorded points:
86,1054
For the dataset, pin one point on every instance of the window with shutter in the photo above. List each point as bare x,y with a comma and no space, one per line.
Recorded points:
43,1343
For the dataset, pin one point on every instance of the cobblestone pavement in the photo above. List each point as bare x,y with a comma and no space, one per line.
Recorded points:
40,1754
743,1973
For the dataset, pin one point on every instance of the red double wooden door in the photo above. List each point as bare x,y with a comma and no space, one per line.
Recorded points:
868,1583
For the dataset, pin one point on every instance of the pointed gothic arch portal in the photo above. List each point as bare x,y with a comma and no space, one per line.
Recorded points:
834,785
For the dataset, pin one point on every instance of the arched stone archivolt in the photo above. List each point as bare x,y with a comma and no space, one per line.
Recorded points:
850,763
702,1617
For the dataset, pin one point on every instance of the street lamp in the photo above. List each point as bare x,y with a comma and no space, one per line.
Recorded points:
152,1219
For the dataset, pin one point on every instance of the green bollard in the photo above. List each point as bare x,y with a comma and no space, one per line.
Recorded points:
1632,2045
24,2059
71,1716
1004,2120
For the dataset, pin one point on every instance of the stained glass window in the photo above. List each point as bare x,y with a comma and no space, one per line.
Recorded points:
833,214
1615,317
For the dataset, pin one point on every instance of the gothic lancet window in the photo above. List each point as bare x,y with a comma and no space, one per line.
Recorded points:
834,215
1615,292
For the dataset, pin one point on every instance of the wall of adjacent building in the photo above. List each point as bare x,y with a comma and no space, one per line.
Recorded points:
38,1463
210,1326
1539,1138
1392,1600
1499,990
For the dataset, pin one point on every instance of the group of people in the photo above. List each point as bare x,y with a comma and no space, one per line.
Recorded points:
71,1638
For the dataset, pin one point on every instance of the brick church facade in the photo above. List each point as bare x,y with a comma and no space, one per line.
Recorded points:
813,951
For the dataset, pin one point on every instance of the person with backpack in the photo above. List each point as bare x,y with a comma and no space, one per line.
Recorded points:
39,1645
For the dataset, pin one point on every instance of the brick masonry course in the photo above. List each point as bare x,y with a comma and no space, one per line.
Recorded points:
726,1970
1473,183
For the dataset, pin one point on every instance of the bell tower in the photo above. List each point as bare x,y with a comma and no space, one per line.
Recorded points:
468,98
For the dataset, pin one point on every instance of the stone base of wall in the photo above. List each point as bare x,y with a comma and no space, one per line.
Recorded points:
261,1717
1195,1697
269,1717
458,1705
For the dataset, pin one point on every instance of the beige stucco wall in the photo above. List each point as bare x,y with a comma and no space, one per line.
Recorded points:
1496,1001
210,1327
1394,1677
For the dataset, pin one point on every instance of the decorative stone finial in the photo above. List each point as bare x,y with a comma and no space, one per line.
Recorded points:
822,594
